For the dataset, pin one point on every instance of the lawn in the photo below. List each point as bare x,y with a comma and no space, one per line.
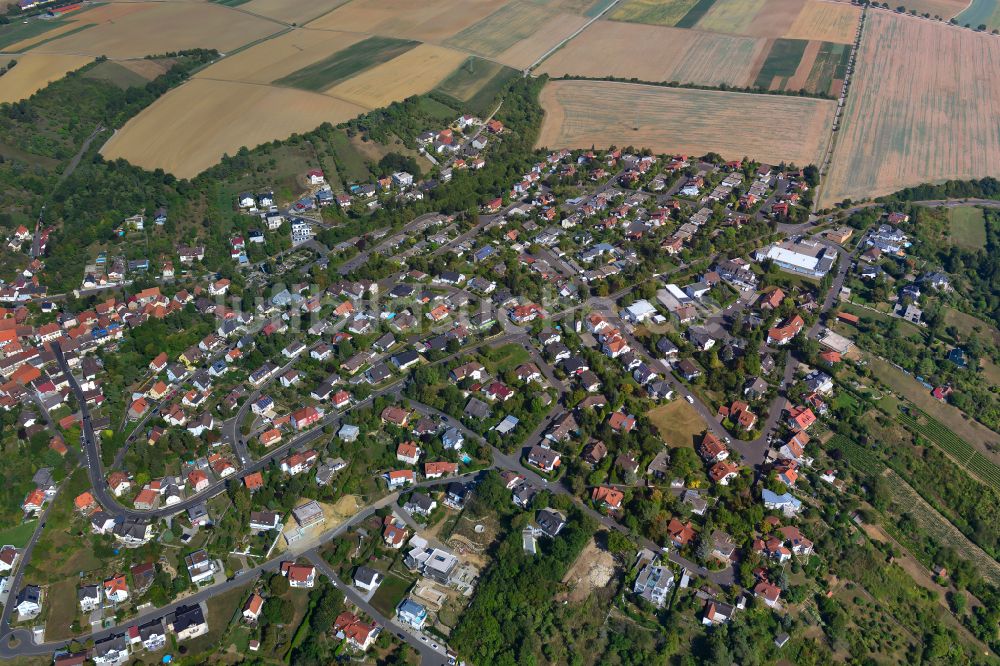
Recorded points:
507,357
221,609
342,65
678,423
350,163
62,609
476,83
968,326
19,534
389,594
968,227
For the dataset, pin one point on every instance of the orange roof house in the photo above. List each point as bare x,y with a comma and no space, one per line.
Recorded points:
254,481
85,502
608,497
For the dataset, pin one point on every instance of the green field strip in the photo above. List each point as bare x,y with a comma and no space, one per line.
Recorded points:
342,65
695,14
782,61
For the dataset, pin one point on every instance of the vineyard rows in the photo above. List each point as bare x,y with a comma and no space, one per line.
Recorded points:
941,529
860,457
961,451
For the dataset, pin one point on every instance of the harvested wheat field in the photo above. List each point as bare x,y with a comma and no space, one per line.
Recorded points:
413,73
770,128
924,107
134,30
428,20
191,127
291,11
33,72
278,57
553,31
943,8
61,29
826,21
608,48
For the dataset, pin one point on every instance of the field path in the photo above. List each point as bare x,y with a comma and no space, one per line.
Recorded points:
560,44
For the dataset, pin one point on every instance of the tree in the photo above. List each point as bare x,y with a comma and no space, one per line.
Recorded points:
278,585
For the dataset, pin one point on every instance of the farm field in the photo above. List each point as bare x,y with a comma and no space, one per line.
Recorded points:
34,71
943,8
476,82
191,127
670,55
579,114
967,227
930,114
652,12
128,73
981,12
17,37
280,56
290,11
731,16
412,73
533,27
826,21
678,423
431,20
345,63
134,30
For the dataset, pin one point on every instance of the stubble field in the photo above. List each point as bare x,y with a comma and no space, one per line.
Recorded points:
429,20
281,56
34,72
412,73
135,30
191,127
579,114
917,115
608,49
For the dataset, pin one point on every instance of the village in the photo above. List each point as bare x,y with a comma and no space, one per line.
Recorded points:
620,349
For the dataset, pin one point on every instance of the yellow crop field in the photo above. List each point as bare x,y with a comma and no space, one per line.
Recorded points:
731,16
608,48
770,128
272,59
924,107
291,11
428,20
826,21
412,73
26,44
35,71
191,127
134,30
502,29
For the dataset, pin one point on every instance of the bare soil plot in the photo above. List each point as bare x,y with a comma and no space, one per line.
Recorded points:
35,71
428,20
278,57
291,11
775,18
925,100
652,12
593,569
608,48
678,423
191,127
731,16
413,73
826,21
134,30
770,128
